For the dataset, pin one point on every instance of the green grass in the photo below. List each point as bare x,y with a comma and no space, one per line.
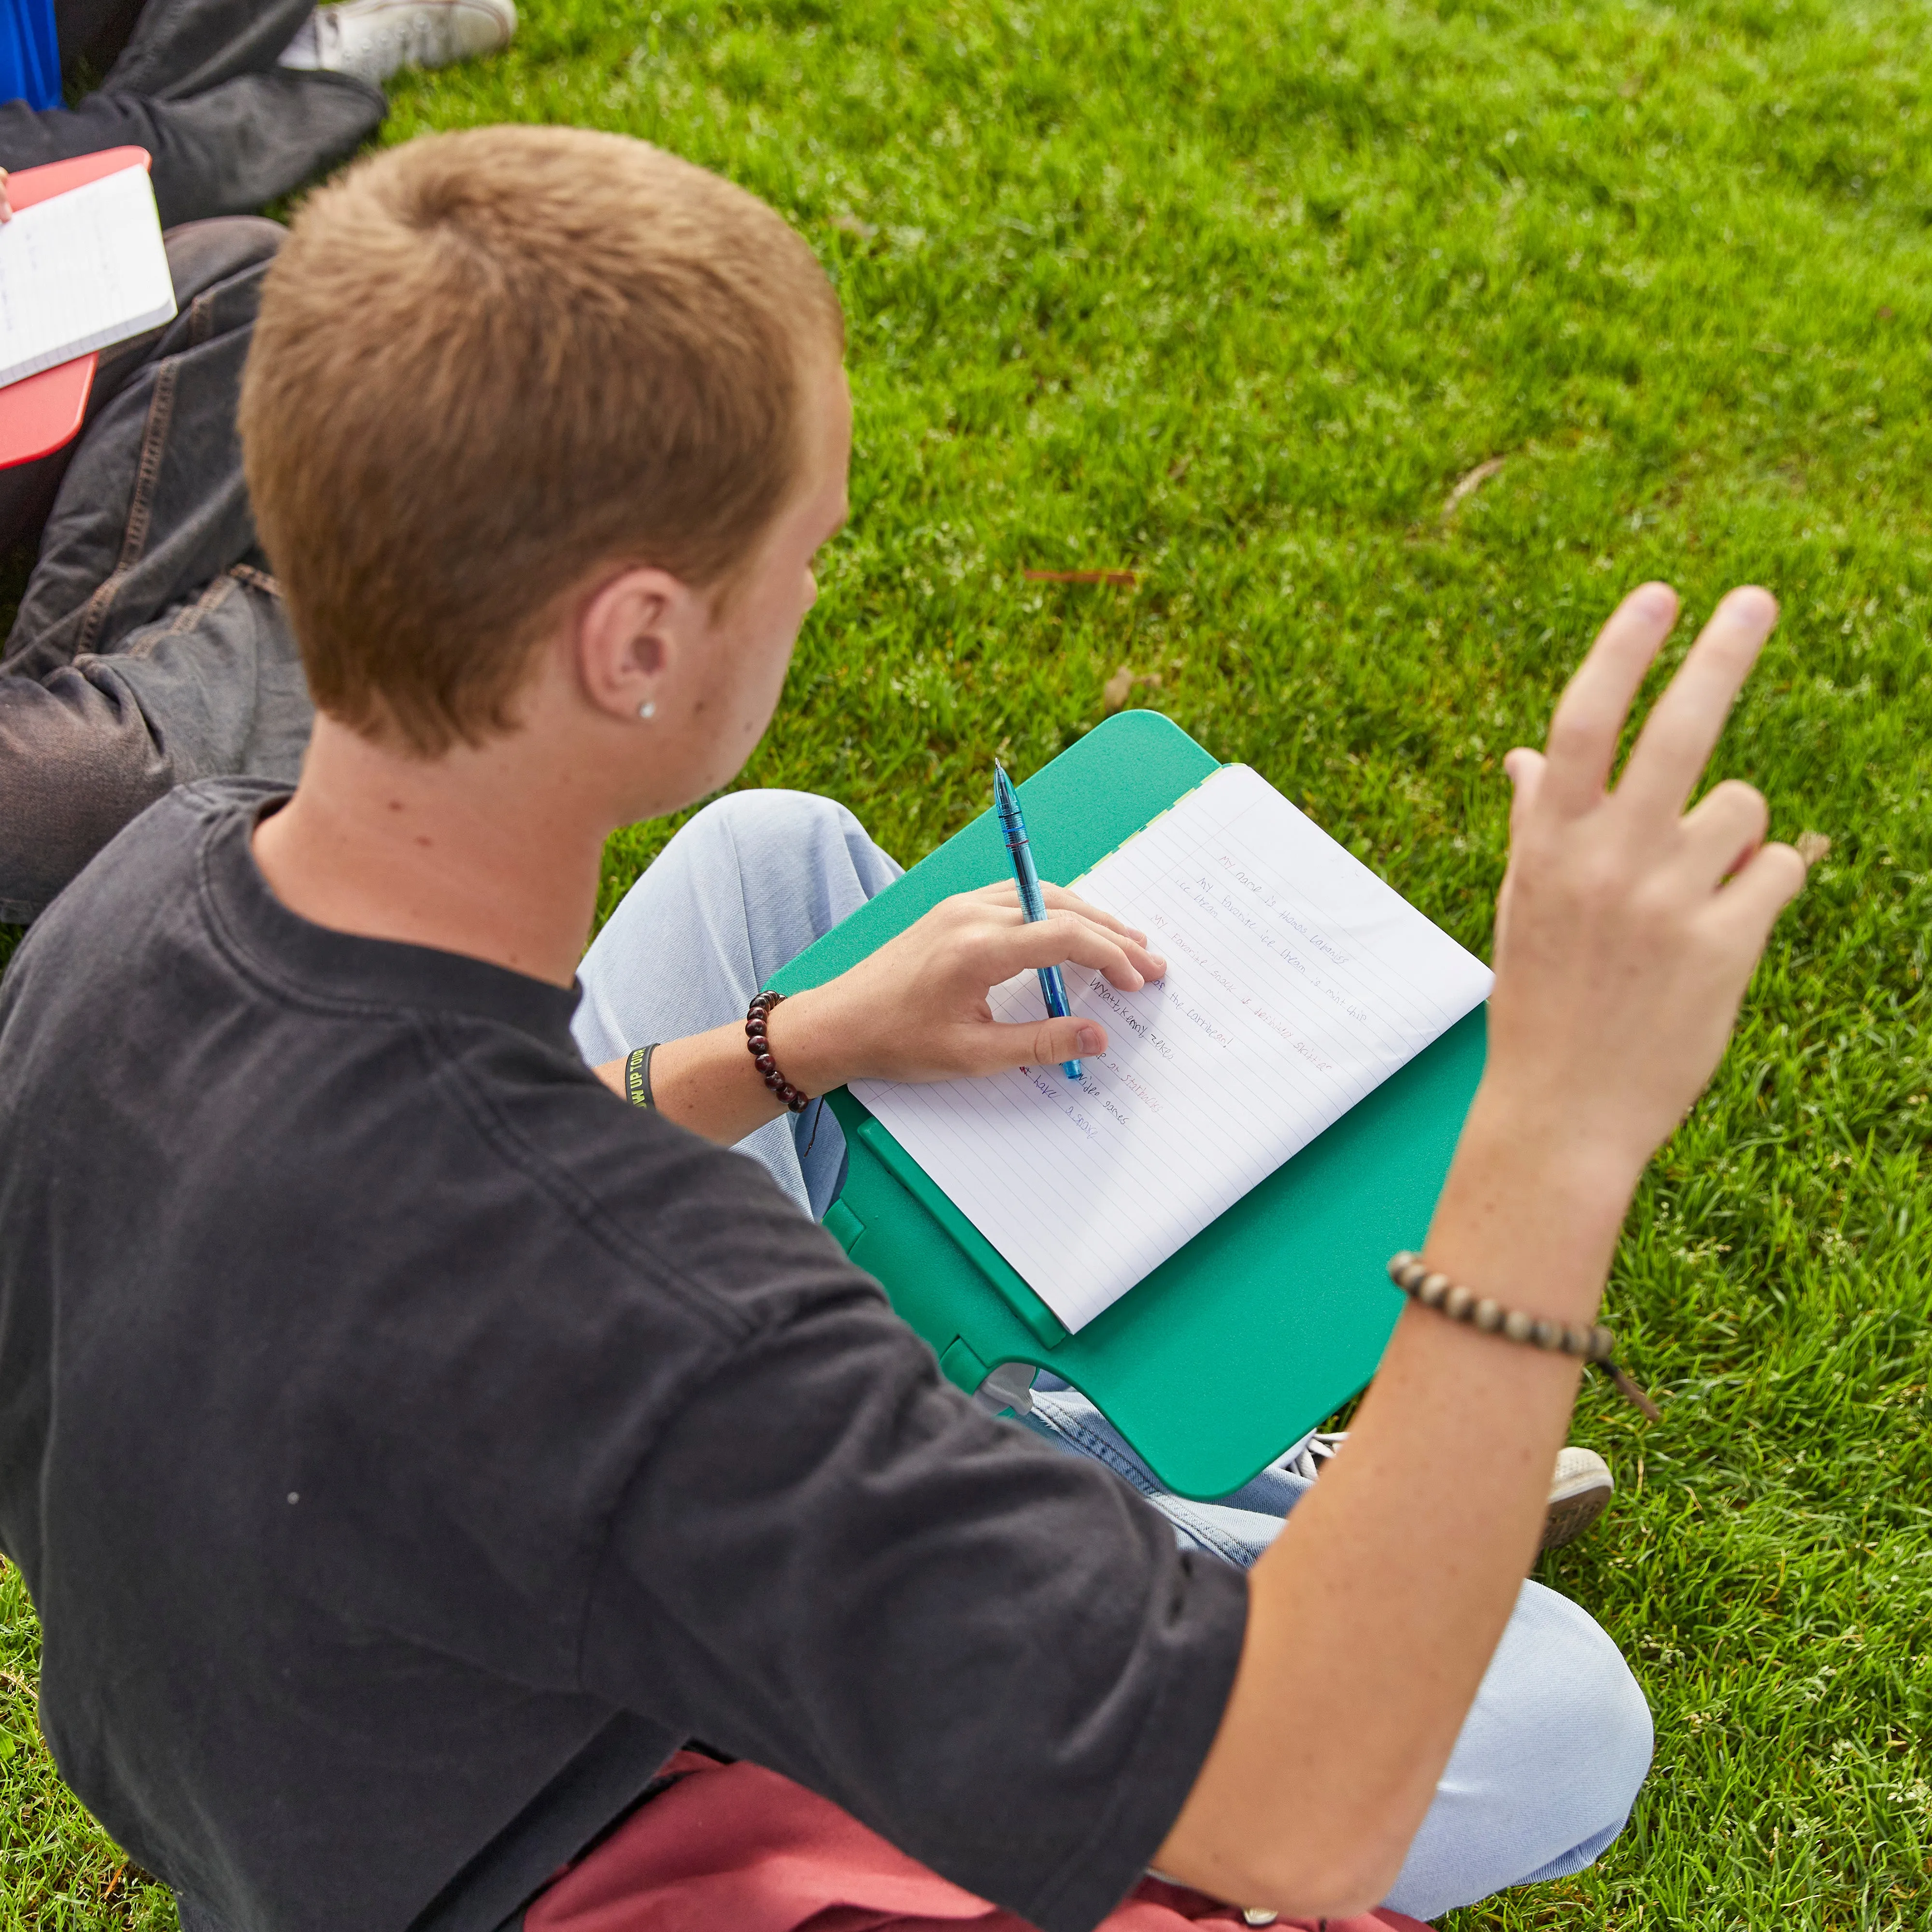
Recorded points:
1232,292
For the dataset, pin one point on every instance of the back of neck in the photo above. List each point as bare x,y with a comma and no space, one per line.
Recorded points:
487,851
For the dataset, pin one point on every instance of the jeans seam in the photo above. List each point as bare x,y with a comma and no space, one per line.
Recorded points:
201,316
1093,1445
140,509
216,594
1228,1548
258,580
1098,1449
189,615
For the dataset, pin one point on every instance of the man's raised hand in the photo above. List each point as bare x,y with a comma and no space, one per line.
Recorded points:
1629,927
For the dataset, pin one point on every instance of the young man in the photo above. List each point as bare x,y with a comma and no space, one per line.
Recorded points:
409,1442
237,101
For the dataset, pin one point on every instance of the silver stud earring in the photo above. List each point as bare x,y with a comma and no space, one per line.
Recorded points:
648,709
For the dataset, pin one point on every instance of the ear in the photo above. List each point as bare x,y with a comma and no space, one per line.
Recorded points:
631,638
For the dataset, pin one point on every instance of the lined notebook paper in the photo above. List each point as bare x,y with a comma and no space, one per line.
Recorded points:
1298,981
80,271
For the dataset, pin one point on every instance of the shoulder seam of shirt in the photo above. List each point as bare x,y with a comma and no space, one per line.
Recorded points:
575,1200
582,1208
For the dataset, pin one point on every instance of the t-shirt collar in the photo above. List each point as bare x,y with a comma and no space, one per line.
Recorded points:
343,968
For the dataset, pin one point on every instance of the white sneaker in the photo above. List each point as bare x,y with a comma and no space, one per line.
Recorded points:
1581,1486
372,39
1578,1488
1314,1452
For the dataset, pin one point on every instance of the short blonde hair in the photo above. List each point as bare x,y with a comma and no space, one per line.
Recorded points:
490,364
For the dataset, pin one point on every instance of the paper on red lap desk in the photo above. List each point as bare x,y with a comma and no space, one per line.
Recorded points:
40,413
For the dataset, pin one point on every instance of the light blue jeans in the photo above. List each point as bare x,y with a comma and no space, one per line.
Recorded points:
1553,1750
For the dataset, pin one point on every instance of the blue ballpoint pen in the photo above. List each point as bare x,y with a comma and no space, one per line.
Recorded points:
1005,803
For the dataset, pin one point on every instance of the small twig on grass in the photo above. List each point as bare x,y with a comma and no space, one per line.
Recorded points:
1469,485
1129,578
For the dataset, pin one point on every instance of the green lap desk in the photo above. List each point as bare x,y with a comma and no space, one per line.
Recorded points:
1264,1323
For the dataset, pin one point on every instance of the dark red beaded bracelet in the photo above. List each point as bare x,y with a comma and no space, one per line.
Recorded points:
759,1046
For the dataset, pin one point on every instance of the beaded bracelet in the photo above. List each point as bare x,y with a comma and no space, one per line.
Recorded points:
1595,1347
760,1047
637,1076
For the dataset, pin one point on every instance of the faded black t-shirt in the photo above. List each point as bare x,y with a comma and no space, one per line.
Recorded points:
408,1444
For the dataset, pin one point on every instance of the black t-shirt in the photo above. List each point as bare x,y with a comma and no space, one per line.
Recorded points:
408,1444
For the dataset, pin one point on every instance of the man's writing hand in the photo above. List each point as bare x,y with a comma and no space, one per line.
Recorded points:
916,1010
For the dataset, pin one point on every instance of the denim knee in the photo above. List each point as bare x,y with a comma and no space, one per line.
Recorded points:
1549,1762
1598,1704
802,862
1579,1723
766,828
201,254
764,820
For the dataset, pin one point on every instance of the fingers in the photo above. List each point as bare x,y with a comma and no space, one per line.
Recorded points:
994,1049
1147,963
1059,899
1058,939
1723,831
1682,731
6,206
1749,906
1524,768
1590,715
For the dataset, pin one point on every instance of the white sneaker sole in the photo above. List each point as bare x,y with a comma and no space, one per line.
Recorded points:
1580,1490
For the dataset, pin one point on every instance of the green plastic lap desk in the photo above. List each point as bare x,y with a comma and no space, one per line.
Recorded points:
1263,1324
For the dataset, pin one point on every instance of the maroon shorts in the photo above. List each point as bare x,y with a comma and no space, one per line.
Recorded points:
736,1846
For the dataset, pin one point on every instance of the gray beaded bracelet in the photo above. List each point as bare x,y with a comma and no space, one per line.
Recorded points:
1594,1346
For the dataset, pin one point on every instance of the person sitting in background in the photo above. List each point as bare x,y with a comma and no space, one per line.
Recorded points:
238,101
150,645
415,1443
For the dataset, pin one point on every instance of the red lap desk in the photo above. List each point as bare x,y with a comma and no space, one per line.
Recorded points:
41,414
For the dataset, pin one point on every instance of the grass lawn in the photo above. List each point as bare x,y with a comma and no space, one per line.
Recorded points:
1231,293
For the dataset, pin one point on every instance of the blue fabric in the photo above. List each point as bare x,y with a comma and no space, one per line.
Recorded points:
29,53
